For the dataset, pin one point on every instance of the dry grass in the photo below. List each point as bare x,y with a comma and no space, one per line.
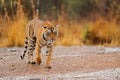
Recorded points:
14,32
71,32
103,32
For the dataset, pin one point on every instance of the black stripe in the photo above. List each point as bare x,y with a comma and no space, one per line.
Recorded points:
49,46
25,51
47,51
34,38
25,46
26,38
31,48
32,45
34,41
44,37
23,55
26,42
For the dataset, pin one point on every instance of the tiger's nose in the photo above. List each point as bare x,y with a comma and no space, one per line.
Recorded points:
52,40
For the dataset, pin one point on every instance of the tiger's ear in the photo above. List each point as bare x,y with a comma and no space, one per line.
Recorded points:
46,24
44,27
57,26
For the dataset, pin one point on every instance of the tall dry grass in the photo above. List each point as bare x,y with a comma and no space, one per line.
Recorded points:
102,32
71,32
13,31
16,33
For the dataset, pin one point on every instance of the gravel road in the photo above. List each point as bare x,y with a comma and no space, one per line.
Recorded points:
68,63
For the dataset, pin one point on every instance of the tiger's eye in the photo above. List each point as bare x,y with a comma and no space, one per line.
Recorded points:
45,27
55,32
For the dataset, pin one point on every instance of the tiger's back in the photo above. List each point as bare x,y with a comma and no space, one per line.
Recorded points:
32,28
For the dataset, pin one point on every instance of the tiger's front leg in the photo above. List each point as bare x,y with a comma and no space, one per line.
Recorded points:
49,54
38,51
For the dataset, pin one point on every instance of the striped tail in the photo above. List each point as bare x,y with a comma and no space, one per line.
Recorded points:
22,56
26,46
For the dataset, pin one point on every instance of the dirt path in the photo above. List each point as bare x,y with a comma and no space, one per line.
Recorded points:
68,63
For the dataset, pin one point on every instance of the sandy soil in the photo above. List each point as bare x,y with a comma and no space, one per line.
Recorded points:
68,63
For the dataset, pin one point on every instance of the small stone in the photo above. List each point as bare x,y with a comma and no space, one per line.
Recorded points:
12,50
116,77
1,58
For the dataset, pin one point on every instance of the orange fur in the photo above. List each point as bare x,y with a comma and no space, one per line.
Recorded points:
36,28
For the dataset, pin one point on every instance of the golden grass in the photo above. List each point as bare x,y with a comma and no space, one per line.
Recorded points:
71,32
104,32
15,33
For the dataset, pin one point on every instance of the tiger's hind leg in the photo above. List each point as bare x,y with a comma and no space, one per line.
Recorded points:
31,47
31,58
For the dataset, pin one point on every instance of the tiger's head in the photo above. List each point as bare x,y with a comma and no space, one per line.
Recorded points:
50,33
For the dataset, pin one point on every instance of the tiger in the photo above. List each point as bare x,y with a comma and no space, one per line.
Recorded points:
39,33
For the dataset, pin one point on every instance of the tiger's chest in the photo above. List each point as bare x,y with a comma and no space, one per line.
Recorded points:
46,43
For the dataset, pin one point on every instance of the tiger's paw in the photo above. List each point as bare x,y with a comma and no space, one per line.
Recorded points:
48,66
32,62
38,60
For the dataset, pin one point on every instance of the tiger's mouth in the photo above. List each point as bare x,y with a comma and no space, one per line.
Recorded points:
44,37
50,41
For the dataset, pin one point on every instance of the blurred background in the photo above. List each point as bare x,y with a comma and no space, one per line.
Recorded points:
82,22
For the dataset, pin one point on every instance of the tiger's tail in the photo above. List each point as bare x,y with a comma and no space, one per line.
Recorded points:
26,46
